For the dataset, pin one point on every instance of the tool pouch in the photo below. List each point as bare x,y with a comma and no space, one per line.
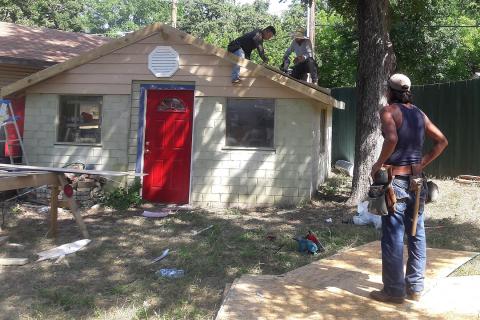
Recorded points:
381,197
377,203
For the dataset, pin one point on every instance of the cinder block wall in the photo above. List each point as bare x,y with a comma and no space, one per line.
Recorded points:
226,177
41,120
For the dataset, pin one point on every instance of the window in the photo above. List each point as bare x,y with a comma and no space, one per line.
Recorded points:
172,105
250,123
80,119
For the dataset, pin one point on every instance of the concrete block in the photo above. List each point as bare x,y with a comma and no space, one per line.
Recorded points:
264,199
211,197
230,198
220,189
292,192
273,191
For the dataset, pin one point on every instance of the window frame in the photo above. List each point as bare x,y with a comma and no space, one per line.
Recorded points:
227,147
57,125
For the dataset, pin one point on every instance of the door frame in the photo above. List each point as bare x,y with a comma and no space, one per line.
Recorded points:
144,87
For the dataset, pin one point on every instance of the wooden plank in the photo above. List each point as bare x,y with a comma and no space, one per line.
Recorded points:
308,84
68,170
32,180
333,288
184,59
81,89
81,59
54,210
73,207
13,261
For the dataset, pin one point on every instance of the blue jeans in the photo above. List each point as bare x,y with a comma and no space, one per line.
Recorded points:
236,68
394,226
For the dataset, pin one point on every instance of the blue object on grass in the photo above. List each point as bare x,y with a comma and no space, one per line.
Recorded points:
170,273
306,245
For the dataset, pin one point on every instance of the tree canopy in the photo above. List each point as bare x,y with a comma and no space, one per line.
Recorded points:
434,40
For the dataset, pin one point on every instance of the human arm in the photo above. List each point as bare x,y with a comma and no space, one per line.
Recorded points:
440,142
259,44
389,130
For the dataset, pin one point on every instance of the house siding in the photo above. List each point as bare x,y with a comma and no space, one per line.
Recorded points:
41,120
10,73
115,72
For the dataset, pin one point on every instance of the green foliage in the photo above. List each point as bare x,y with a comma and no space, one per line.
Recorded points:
123,198
426,53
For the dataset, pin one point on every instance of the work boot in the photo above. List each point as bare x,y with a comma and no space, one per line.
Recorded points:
383,297
414,296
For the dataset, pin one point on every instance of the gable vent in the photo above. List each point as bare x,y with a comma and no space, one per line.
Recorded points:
163,61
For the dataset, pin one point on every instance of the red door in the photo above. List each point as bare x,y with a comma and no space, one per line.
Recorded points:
168,144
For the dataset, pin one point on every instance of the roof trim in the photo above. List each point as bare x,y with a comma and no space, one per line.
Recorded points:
136,36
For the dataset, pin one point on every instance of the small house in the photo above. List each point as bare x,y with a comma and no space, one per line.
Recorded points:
160,101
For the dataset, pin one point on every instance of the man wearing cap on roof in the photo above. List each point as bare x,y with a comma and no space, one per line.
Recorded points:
404,128
303,62
243,46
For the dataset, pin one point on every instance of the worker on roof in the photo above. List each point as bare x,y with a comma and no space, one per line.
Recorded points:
304,62
244,45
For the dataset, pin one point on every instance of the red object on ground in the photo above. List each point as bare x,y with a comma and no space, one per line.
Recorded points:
68,190
312,238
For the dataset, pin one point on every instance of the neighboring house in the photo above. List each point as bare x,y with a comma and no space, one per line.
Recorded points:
160,101
26,50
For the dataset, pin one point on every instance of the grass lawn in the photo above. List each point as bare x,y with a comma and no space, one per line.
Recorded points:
113,278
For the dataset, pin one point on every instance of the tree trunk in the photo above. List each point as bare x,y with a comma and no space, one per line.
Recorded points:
376,61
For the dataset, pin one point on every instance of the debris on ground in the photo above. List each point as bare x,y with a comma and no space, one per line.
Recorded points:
312,237
164,254
329,220
3,240
15,246
202,230
287,211
363,217
13,261
344,167
271,237
63,250
159,214
305,245
170,273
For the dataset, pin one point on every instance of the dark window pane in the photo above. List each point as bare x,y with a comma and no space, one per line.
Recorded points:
323,130
171,104
80,119
250,122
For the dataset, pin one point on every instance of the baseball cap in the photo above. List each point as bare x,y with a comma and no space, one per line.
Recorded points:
399,82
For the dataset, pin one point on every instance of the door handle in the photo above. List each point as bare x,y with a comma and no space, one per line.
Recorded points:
147,150
147,143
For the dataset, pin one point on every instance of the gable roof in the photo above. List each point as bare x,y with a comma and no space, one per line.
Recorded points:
310,91
42,46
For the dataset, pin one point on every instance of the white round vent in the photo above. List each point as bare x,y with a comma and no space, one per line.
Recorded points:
163,61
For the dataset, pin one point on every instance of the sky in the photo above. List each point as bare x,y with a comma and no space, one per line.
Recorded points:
275,7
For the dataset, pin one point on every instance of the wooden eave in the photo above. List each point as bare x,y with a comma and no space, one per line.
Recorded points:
165,30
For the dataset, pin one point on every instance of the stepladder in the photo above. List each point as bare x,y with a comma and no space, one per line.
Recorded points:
12,138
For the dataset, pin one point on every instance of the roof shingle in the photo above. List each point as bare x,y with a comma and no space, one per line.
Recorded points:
42,44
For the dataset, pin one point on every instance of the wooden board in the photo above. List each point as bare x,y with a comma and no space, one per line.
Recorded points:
67,170
13,261
332,288
311,85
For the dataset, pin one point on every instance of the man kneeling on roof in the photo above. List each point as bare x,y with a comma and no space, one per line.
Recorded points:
304,62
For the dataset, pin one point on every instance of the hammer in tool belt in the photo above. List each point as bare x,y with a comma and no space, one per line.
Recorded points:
416,183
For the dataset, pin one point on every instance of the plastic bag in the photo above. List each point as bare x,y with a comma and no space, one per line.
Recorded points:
364,217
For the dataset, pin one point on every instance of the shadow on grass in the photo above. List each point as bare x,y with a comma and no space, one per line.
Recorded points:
114,272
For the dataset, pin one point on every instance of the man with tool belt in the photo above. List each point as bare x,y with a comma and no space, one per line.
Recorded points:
404,128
